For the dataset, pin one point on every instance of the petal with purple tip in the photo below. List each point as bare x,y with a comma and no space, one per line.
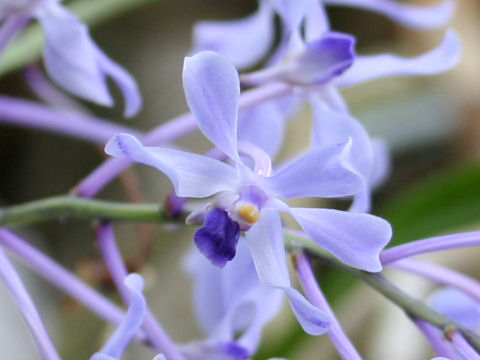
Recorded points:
354,238
316,21
192,175
322,172
217,238
440,59
212,90
423,17
323,59
244,42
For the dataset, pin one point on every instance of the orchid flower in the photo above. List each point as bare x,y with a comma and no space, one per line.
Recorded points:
321,61
249,198
71,57
245,41
231,306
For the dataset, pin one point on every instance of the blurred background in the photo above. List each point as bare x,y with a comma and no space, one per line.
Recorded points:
430,124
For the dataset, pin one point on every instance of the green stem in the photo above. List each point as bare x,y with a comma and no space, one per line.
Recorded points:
64,207
27,47
410,305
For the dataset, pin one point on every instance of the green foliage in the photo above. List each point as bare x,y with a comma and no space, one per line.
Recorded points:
444,202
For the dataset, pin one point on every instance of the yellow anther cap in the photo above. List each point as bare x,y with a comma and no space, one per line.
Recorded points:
249,213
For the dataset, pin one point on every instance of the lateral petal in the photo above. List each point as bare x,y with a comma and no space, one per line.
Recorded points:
244,42
440,59
212,90
70,57
192,175
312,320
354,238
265,240
422,17
323,172
126,83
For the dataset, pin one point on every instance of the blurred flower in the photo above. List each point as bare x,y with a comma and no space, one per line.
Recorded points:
247,40
231,306
71,57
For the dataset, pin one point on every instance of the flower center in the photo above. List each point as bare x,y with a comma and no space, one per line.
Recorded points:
249,213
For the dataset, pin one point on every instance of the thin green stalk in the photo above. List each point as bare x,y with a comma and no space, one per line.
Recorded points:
65,207
413,307
27,47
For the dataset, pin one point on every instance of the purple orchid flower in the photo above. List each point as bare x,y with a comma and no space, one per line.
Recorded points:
70,56
228,302
118,341
234,38
249,198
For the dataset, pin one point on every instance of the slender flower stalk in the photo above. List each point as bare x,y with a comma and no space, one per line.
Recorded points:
377,281
62,278
169,131
440,275
463,347
154,332
27,309
29,114
313,292
79,208
48,93
11,28
432,244
434,337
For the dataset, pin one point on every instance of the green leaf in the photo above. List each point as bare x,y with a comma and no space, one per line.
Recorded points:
444,202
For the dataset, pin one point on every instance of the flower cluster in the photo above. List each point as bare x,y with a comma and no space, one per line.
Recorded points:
238,195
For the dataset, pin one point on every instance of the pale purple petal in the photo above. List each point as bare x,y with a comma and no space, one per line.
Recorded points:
124,80
291,12
312,320
212,90
332,127
381,163
322,172
262,126
316,63
440,59
119,340
458,306
323,58
265,240
416,16
100,356
316,21
70,57
192,175
244,42
355,239
208,303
